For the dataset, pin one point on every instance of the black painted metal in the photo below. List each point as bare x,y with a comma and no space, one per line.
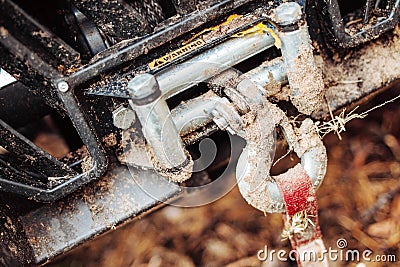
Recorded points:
30,155
29,171
15,249
129,50
32,67
116,19
40,40
91,36
339,32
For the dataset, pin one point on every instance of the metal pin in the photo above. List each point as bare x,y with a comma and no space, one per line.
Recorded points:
158,127
305,80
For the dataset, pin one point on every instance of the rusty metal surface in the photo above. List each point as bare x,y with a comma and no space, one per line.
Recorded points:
101,206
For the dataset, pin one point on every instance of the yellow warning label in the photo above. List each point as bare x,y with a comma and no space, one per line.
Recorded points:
196,42
176,54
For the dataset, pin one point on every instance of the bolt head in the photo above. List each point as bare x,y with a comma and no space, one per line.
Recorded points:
288,13
63,86
123,117
143,86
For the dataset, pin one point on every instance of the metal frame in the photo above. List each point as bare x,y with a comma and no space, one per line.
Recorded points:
52,229
121,54
30,60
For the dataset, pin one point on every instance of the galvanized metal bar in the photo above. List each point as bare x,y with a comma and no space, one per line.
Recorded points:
305,79
157,125
212,62
195,113
273,71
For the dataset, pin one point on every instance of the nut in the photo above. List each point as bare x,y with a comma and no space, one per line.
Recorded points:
123,117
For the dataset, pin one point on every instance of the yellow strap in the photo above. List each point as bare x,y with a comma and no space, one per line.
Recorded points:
260,28
215,28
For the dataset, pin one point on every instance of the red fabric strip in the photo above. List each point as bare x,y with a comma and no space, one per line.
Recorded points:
299,196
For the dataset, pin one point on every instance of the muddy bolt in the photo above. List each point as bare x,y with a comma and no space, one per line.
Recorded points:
63,86
144,88
288,13
123,117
